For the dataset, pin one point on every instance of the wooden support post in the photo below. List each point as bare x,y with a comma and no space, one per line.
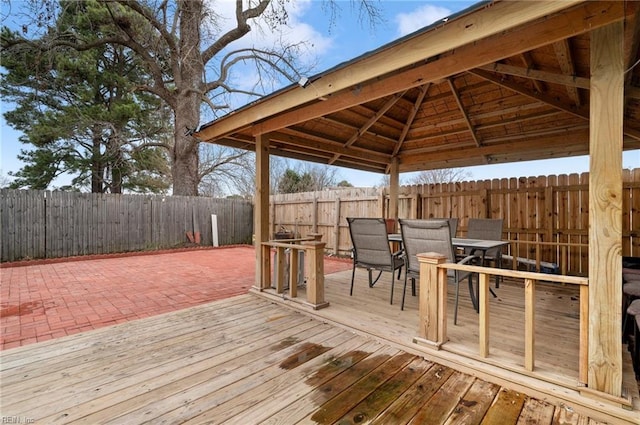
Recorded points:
394,189
314,268
432,322
261,211
483,303
529,323
605,209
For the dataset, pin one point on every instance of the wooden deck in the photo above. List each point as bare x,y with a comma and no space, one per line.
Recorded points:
247,360
555,376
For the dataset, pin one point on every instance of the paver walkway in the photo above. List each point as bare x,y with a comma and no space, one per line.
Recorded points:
44,301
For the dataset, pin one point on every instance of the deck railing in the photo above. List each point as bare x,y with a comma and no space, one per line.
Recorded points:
287,256
433,303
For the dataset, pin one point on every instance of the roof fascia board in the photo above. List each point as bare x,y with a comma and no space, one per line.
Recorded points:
492,19
487,51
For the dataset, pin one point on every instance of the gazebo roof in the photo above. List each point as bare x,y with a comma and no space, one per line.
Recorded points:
499,82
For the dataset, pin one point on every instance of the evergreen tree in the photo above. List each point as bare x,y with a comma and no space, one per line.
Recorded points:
82,114
189,57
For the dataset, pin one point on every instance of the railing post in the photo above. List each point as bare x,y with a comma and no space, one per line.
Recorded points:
529,323
281,265
483,320
314,268
583,369
433,300
265,282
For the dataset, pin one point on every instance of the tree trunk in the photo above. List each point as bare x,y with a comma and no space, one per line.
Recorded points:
97,167
185,160
189,87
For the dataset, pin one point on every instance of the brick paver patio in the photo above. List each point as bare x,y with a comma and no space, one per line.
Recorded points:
44,300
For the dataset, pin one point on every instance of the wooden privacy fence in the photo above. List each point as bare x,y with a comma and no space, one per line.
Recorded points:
546,218
44,224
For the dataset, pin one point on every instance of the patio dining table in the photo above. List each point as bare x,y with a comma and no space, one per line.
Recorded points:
477,247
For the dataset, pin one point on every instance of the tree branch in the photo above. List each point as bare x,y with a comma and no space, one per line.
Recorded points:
241,29
149,17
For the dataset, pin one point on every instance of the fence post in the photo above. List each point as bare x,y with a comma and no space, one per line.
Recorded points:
314,268
432,322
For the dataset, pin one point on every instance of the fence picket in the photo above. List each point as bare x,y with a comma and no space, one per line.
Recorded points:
39,224
551,209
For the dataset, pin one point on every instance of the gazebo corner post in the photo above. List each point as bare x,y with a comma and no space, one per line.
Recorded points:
605,210
261,214
432,322
314,270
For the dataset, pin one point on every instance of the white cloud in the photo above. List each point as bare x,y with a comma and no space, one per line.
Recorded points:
421,17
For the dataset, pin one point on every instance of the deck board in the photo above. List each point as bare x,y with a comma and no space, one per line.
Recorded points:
245,360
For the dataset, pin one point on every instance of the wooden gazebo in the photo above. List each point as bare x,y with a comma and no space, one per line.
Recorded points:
499,82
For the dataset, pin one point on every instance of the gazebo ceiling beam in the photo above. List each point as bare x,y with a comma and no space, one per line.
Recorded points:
577,141
499,141
571,81
342,90
412,116
463,111
314,156
529,63
563,54
515,120
578,112
333,148
371,121
333,120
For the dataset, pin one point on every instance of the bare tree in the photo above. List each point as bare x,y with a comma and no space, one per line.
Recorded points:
190,56
443,175
225,171
385,181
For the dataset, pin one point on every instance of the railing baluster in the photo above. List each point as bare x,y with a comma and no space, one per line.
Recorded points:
266,268
483,303
583,367
433,299
293,273
529,323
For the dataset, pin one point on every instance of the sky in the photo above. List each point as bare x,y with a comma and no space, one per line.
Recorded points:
329,44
